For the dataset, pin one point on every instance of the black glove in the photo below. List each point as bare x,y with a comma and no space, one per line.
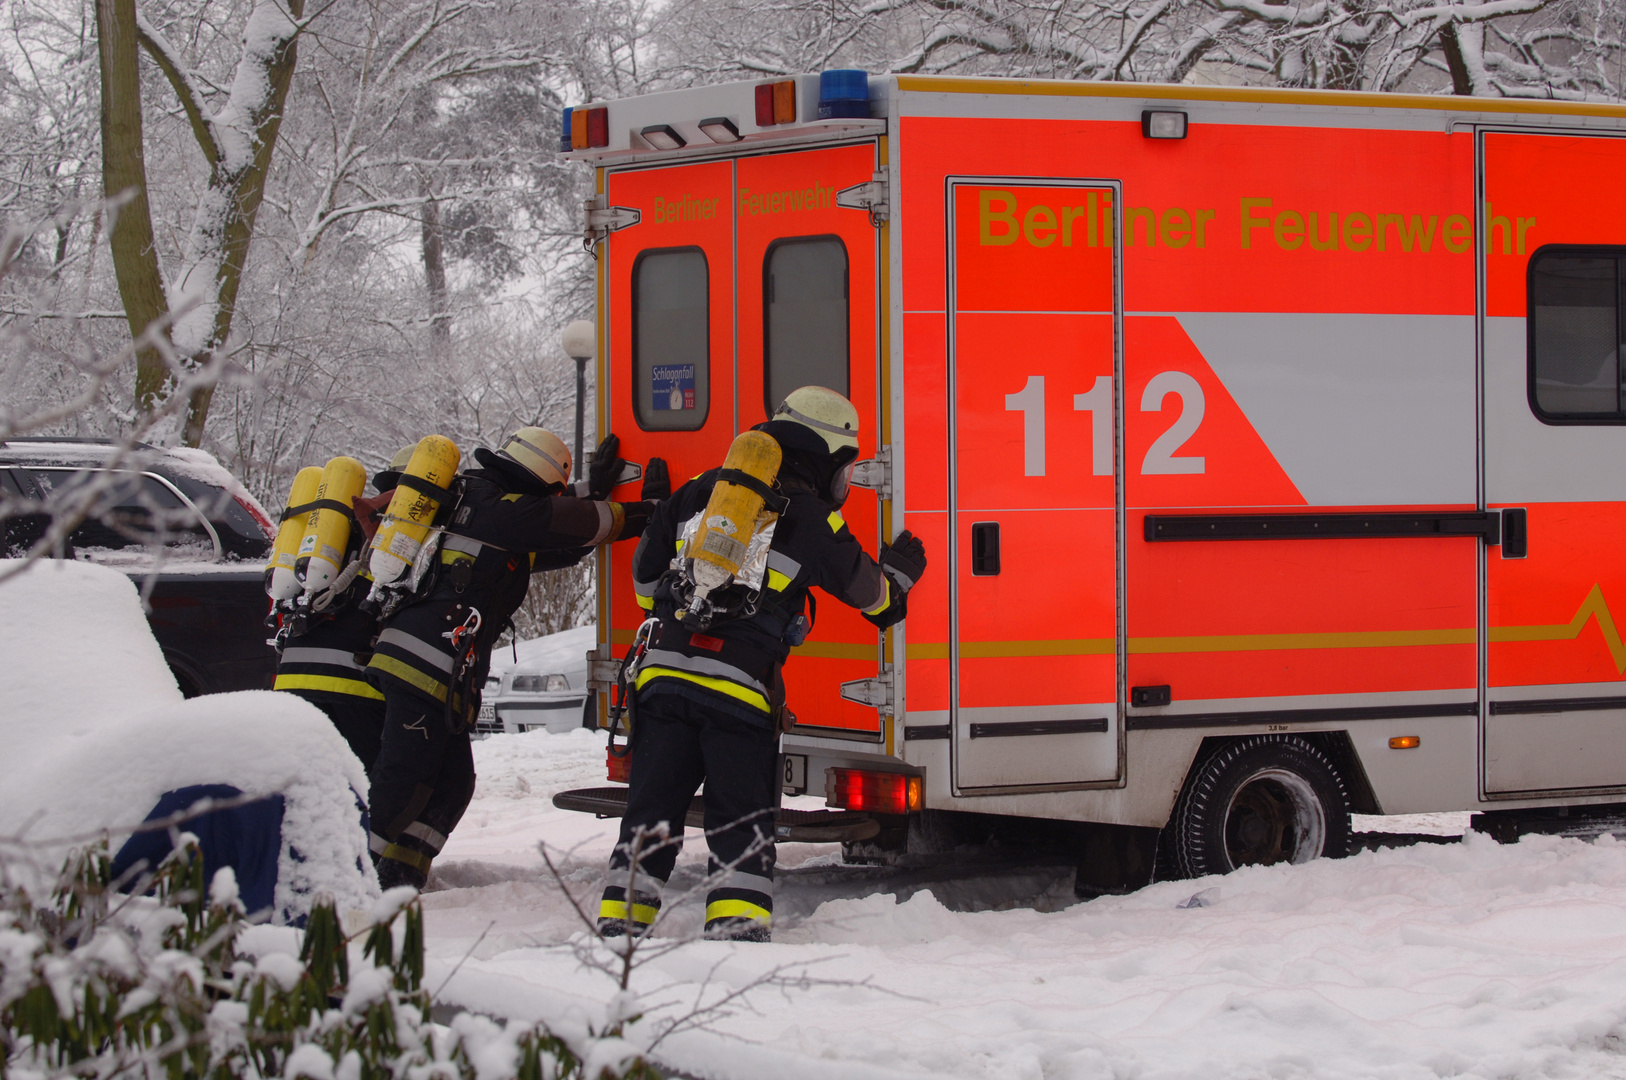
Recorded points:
657,481
904,560
605,468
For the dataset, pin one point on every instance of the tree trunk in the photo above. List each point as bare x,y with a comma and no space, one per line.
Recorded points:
243,189
124,175
1460,83
434,272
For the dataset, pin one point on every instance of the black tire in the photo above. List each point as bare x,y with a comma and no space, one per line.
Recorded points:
1263,799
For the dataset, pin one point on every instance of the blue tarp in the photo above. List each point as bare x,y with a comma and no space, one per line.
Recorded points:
246,837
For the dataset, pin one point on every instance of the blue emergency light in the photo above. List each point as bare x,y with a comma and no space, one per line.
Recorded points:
843,94
564,136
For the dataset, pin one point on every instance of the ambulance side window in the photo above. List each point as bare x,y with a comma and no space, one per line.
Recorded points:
1575,298
804,317
671,333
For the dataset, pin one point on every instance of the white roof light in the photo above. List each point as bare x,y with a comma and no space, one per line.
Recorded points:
720,129
663,137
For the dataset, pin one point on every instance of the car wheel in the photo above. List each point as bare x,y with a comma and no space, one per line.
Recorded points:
1261,800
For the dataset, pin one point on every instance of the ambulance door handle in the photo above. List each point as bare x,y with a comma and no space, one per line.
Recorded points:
1515,533
985,549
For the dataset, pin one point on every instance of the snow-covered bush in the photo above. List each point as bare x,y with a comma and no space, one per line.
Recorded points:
143,978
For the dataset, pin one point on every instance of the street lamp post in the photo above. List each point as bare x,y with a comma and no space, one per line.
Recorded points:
580,342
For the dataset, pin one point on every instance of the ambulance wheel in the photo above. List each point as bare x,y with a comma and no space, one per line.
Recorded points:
1261,800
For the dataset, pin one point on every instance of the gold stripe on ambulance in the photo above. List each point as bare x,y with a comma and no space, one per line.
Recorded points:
1593,607
1349,99
1356,639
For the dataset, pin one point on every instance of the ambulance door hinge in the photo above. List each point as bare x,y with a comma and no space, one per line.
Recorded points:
876,692
870,196
604,219
602,670
876,473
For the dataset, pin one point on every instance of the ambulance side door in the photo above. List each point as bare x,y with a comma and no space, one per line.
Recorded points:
1035,512
806,292
668,326
1553,244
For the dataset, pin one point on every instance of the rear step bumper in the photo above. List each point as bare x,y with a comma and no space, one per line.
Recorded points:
790,826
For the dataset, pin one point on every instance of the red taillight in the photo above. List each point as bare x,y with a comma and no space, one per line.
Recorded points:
877,792
259,517
619,766
765,105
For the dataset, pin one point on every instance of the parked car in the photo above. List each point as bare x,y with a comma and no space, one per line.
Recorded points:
178,524
544,689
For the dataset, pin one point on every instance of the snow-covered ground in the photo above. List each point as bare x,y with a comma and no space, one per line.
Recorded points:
1464,960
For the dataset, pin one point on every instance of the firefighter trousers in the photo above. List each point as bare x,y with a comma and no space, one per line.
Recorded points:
677,742
422,781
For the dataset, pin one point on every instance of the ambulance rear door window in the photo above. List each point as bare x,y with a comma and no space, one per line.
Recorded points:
670,339
805,315
1575,298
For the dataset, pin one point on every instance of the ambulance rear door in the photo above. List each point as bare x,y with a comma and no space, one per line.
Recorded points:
1553,247
807,317
668,325
1035,510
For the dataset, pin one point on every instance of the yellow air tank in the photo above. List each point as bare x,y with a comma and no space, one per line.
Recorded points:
281,583
733,513
327,534
411,512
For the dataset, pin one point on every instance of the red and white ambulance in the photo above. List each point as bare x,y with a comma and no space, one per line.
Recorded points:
1269,446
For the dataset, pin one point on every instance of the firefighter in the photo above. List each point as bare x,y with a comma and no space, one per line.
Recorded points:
506,519
322,656
708,706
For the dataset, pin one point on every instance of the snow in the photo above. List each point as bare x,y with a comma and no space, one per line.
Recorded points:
1466,960
96,731
56,601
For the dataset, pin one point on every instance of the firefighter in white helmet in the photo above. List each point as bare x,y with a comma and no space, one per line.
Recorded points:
507,518
708,704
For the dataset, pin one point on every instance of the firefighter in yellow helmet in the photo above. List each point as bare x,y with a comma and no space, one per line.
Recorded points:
508,518
707,702
322,650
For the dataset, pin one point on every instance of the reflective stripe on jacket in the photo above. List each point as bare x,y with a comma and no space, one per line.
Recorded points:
321,663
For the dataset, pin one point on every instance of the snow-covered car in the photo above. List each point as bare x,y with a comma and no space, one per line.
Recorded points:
177,523
543,689
99,741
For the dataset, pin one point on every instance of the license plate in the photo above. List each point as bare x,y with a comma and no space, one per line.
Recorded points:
488,713
795,781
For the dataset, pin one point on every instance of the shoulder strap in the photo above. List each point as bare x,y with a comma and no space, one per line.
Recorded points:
776,502
318,504
417,483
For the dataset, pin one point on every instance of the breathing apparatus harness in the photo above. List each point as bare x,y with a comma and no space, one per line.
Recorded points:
699,608
738,597
388,598
291,618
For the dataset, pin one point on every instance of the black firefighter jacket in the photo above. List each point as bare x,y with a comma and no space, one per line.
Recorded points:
495,539
734,665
